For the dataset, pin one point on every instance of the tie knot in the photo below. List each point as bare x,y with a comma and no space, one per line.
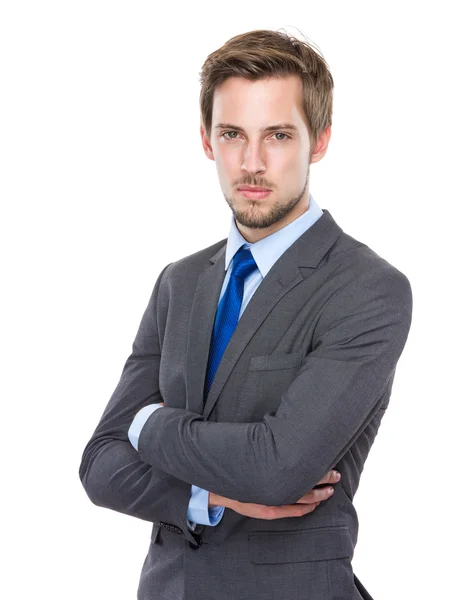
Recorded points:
243,263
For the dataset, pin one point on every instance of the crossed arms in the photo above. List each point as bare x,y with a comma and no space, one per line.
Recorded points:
358,340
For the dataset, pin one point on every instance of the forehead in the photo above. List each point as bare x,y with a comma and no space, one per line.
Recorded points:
277,99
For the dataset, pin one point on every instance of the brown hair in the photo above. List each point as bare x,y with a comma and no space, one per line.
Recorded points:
263,53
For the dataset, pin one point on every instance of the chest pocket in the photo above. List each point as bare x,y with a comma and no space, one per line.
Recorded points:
267,378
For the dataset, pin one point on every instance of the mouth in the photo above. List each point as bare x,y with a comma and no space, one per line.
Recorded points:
254,193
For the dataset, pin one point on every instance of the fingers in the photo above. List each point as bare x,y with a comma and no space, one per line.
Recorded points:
305,505
288,510
317,495
320,494
331,477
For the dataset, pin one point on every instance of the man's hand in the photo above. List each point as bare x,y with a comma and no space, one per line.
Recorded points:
305,505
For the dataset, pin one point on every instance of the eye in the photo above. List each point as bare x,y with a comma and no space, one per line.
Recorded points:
280,133
225,133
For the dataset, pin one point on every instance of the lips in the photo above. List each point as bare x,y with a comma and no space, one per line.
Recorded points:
247,188
253,194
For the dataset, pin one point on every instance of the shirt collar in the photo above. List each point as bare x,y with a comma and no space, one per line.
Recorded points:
269,249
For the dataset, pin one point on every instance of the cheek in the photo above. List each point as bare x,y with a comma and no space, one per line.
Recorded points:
227,161
291,157
287,157
294,165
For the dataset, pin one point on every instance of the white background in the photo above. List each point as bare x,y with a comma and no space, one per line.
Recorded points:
104,182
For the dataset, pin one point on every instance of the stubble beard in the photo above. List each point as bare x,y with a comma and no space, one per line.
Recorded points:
254,218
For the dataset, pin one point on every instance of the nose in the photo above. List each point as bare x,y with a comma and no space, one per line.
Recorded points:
253,161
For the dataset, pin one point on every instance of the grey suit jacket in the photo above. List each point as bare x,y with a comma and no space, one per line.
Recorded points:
301,388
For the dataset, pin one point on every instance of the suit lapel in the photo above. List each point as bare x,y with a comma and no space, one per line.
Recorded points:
201,322
295,264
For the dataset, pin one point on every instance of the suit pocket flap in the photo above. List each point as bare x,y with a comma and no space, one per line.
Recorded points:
320,543
275,361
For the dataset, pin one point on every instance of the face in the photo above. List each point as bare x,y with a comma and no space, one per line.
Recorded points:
259,137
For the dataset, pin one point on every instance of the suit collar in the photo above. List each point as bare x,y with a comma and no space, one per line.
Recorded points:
309,248
269,249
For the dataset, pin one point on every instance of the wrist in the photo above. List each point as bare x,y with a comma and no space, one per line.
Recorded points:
216,500
212,500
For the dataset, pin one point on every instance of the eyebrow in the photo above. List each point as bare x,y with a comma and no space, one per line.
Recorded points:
263,129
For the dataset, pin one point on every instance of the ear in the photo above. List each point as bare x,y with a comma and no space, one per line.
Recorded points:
321,145
206,143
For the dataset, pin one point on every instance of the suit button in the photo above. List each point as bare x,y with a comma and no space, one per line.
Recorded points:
172,528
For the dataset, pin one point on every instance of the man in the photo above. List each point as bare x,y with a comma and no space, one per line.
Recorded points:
262,364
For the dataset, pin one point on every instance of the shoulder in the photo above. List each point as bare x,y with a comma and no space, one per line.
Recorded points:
192,264
355,263
363,284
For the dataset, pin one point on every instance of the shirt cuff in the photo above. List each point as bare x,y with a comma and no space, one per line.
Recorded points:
139,421
198,511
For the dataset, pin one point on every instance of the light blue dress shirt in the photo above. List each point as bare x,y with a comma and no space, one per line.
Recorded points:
265,252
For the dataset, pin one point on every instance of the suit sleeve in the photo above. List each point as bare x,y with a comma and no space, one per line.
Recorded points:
198,512
358,339
111,471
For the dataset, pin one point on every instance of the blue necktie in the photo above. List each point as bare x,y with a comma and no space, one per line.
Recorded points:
227,315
